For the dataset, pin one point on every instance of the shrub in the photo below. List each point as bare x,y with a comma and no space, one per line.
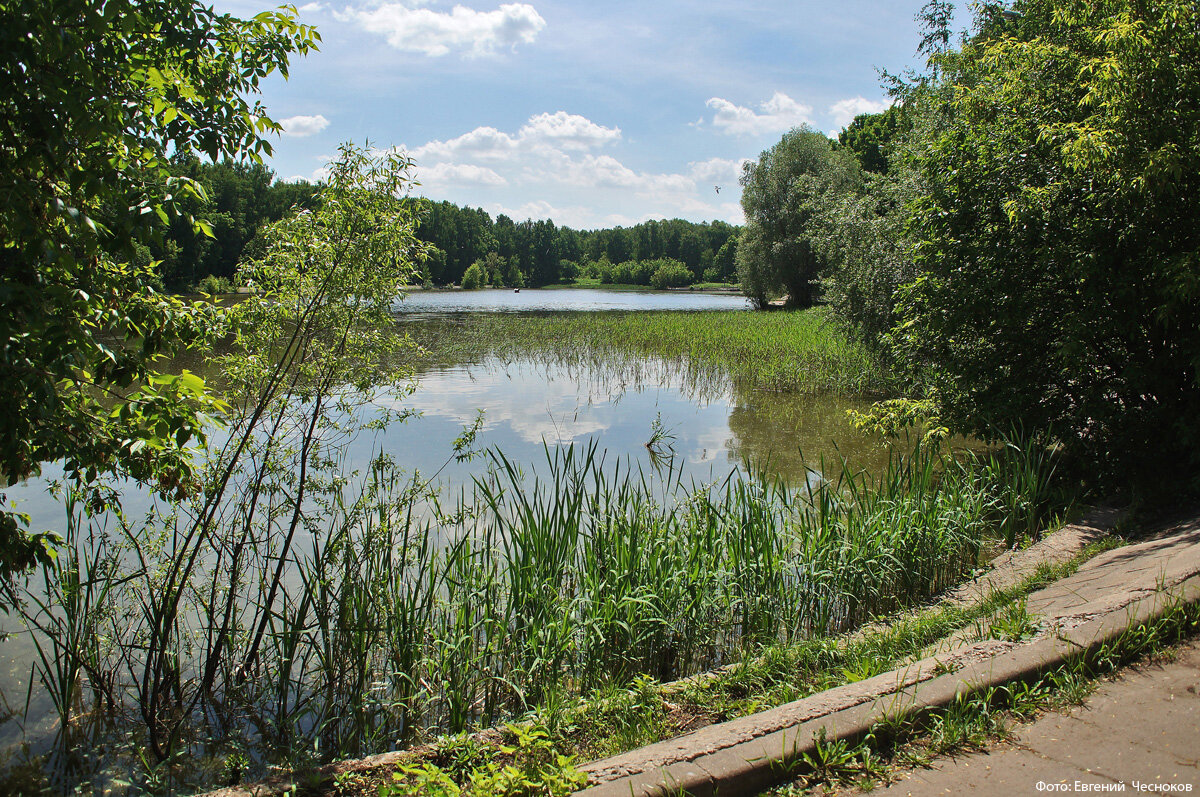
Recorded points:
670,274
475,277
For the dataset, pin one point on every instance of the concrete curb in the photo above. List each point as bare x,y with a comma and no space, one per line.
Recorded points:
754,753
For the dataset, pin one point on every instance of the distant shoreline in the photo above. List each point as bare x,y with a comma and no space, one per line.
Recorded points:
712,288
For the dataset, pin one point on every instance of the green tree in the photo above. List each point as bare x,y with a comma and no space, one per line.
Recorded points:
544,253
475,277
670,274
870,136
862,235
781,192
513,277
96,96
1057,244
725,261
238,199
304,358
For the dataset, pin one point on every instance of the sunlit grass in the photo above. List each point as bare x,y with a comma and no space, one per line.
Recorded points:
406,616
796,351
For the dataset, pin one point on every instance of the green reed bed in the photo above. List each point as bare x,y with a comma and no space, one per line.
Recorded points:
401,617
797,351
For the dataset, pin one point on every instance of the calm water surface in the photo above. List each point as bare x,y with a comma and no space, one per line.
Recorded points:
713,425
506,300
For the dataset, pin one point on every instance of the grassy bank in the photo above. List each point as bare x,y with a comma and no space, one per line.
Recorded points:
796,351
974,723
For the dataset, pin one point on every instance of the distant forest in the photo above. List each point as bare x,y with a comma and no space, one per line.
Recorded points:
241,198
544,253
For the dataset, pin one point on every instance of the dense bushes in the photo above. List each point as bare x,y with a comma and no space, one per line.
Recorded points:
670,274
1058,252
661,273
1027,252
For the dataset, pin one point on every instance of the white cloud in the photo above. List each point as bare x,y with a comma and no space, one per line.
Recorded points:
565,409
483,142
311,8
844,111
593,172
571,216
317,176
300,126
459,173
718,171
544,168
437,33
544,132
777,115
569,131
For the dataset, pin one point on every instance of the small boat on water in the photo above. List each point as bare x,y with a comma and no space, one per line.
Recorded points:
516,290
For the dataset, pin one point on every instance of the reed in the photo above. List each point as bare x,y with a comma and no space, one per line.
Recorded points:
399,617
804,351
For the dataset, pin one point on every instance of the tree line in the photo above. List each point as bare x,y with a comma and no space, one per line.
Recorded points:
239,198
1017,235
509,252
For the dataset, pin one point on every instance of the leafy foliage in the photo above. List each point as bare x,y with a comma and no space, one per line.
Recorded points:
1058,255
95,99
535,252
535,767
776,254
475,276
205,581
670,274
870,136
239,198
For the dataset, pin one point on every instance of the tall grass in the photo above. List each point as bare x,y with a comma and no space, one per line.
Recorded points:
798,351
399,616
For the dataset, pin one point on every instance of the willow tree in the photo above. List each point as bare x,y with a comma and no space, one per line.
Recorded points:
781,192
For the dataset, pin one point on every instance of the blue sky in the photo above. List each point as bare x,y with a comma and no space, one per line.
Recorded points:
592,114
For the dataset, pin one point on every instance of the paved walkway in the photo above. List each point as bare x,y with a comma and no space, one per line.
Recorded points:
1078,614
1142,731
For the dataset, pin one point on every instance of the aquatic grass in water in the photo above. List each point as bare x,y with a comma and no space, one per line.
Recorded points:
802,351
536,587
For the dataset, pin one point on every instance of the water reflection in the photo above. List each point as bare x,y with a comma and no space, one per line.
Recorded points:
715,424
787,432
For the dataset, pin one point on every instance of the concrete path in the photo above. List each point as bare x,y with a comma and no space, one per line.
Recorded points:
1142,731
1078,615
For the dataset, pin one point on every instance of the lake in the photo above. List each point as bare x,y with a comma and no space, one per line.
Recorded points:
551,300
704,424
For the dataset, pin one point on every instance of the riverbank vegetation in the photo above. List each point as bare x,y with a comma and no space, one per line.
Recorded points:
611,720
1015,234
1028,271
386,615
798,352
91,123
467,246
515,254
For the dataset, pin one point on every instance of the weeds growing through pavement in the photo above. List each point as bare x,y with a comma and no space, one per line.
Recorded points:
975,721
